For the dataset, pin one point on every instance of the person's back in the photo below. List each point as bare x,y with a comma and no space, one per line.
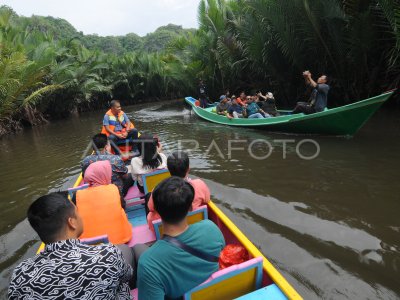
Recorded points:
321,97
166,269
100,206
119,170
201,193
178,165
175,271
201,197
151,159
66,268
101,210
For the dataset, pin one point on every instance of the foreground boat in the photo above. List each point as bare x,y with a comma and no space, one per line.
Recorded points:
343,121
263,282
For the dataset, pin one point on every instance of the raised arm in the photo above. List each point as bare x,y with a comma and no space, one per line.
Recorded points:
311,81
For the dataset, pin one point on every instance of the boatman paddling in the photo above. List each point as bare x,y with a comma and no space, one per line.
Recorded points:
117,126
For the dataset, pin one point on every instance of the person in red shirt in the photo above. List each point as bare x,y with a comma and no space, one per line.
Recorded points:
178,165
242,99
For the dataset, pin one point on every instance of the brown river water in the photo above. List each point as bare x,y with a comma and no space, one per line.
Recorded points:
329,223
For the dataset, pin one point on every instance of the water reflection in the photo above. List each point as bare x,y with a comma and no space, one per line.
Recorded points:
329,224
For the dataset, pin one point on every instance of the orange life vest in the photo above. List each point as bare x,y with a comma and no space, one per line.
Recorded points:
114,120
101,211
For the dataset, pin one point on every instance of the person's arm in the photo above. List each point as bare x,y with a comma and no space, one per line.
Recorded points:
259,108
262,96
127,123
125,270
120,167
229,112
16,284
306,77
149,287
312,82
206,190
150,204
135,168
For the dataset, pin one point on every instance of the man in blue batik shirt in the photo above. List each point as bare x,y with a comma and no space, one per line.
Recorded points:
120,175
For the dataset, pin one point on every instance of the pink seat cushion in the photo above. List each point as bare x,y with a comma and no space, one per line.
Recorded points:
141,235
133,193
134,294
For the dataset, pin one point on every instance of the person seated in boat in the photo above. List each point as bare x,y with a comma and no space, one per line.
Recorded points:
151,158
117,126
241,100
319,95
235,110
64,269
100,206
227,95
178,165
269,104
253,111
222,106
166,269
120,176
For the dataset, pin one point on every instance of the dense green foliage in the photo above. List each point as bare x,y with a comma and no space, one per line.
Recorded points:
266,44
48,69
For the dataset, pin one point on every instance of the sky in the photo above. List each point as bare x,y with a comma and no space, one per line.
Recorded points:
112,17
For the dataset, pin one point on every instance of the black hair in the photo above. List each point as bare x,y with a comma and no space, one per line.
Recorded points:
150,157
49,214
114,102
99,141
173,199
178,163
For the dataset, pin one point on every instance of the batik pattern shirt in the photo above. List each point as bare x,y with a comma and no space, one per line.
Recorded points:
117,165
71,270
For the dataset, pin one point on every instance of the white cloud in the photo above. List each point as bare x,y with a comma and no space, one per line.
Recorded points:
117,17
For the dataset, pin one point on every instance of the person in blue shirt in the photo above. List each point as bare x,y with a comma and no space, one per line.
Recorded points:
167,270
117,126
254,111
120,176
319,96
235,110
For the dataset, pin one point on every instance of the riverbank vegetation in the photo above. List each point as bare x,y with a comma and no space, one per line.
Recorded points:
48,69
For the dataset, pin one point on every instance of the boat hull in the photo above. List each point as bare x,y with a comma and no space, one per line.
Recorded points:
342,121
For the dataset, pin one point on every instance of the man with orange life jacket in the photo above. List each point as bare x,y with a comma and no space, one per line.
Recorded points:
117,126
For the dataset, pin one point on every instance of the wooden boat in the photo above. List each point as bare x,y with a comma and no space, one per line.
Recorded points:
343,121
254,279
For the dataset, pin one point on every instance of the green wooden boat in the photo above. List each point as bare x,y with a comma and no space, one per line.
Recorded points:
343,121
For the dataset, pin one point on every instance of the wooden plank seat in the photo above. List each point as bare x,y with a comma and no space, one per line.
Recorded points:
151,180
231,282
194,216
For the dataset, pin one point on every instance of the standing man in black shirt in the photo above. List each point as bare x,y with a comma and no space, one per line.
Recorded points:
203,94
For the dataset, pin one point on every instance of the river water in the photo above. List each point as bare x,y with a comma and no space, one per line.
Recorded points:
324,210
